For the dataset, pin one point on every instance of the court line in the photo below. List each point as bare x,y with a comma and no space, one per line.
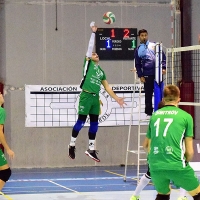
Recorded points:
63,187
65,179
123,175
113,173
79,193
73,185
6,196
63,171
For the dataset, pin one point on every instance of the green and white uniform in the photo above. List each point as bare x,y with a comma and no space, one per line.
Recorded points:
93,76
3,160
167,128
91,84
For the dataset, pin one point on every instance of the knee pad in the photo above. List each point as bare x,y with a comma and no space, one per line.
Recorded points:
196,197
162,197
79,125
93,127
5,174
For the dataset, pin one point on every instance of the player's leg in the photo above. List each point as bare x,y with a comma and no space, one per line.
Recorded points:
4,176
162,184
187,179
182,194
94,116
5,171
75,131
196,197
93,130
195,193
148,88
162,197
91,152
83,110
143,182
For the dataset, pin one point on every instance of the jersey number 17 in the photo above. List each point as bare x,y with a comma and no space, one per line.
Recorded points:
157,125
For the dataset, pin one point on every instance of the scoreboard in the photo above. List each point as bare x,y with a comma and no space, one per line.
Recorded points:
116,43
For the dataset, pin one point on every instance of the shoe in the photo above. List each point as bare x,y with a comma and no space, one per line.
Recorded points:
182,198
71,152
135,197
92,154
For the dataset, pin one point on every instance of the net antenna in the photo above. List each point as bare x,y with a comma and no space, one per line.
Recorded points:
158,83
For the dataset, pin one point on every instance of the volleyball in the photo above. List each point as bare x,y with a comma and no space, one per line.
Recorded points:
108,18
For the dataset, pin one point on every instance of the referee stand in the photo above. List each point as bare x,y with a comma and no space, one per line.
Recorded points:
158,90
141,154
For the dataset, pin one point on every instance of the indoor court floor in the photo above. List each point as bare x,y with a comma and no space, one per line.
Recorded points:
84,183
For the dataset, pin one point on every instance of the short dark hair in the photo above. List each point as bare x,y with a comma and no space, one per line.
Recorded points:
142,31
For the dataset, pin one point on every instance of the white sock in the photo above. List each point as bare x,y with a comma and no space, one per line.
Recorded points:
143,182
182,192
72,142
91,144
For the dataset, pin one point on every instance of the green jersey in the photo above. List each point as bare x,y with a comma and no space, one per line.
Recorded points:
92,76
167,128
3,160
2,115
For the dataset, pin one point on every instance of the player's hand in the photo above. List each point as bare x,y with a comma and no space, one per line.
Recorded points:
93,27
11,154
163,71
142,79
121,102
133,70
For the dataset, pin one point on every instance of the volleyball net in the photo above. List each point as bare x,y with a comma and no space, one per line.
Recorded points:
183,70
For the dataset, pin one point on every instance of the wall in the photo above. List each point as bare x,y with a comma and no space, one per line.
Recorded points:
33,52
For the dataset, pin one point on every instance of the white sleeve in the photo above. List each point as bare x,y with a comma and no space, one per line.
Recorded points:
90,46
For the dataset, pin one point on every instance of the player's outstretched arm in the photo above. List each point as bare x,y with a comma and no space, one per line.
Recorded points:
119,100
4,143
92,40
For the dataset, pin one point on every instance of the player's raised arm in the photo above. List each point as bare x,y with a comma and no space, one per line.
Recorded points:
92,40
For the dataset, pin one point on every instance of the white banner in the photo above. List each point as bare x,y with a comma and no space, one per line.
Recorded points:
56,105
